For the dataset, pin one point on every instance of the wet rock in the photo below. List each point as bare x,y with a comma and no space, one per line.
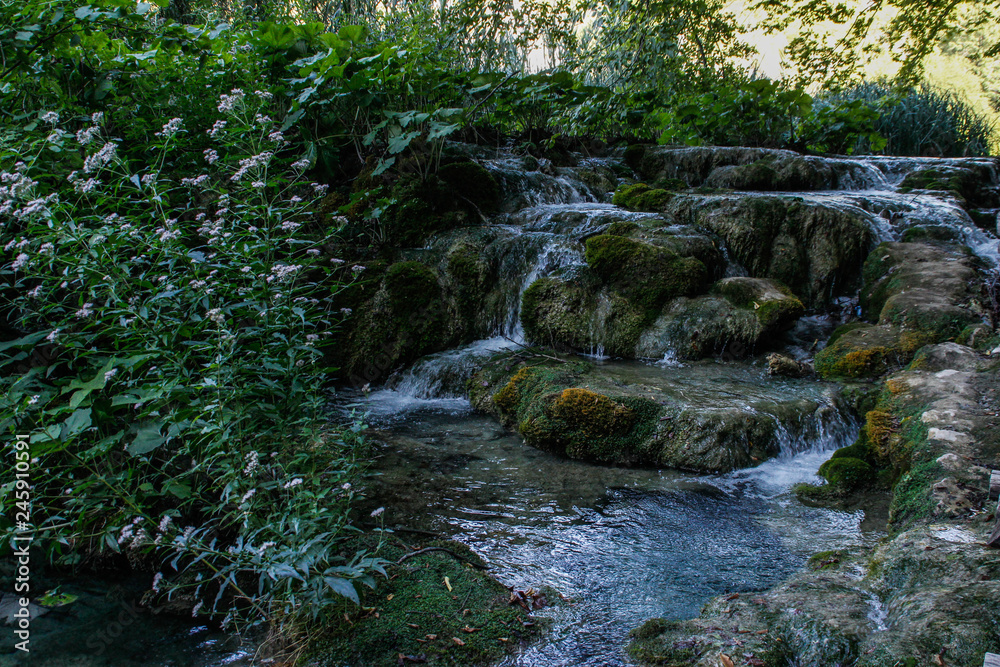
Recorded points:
579,411
925,289
816,250
744,168
867,351
779,364
919,294
776,173
927,595
971,181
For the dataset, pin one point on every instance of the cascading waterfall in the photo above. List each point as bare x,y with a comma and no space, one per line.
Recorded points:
630,544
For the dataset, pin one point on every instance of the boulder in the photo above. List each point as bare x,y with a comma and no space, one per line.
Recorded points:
646,418
817,250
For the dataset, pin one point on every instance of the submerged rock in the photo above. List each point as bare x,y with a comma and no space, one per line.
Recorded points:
785,366
644,416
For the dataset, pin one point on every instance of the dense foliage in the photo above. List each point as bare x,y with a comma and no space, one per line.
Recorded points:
174,263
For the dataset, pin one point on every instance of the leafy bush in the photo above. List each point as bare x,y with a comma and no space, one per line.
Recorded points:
164,310
921,121
761,112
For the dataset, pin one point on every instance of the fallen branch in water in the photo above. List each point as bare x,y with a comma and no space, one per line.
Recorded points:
447,551
533,352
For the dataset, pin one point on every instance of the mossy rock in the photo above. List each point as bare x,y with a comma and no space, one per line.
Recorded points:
924,288
774,305
647,275
472,182
868,352
774,174
816,249
580,315
700,327
641,197
557,313
406,319
920,233
966,182
845,328
583,412
848,473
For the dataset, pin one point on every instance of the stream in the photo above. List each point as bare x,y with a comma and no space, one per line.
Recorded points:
619,546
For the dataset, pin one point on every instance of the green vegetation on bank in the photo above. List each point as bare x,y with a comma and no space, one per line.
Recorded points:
205,210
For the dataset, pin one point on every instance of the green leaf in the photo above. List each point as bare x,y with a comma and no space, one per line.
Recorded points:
75,424
383,165
343,587
147,438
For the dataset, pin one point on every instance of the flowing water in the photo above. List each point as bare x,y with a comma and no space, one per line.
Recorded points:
619,545
622,545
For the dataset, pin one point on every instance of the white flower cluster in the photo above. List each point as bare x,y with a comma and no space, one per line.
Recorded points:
87,134
282,272
211,156
101,158
217,128
172,127
196,182
252,162
228,103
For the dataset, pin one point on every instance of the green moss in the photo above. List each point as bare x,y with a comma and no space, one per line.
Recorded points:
845,328
931,233
411,285
960,182
555,312
868,352
412,612
848,473
826,560
641,197
404,320
573,421
472,182
645,274
621,228
911,499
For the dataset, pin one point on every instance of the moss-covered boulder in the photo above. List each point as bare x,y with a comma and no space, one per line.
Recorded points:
404,320
774,173
472,183
926,289
641,197
743,168
558,313
699,327
737,318
971,181
645,418
868,351
773,303
816,250
645,274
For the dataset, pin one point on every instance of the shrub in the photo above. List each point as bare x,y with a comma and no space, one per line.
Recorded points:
164,349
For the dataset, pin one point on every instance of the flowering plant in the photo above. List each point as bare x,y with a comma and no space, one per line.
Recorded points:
164,345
